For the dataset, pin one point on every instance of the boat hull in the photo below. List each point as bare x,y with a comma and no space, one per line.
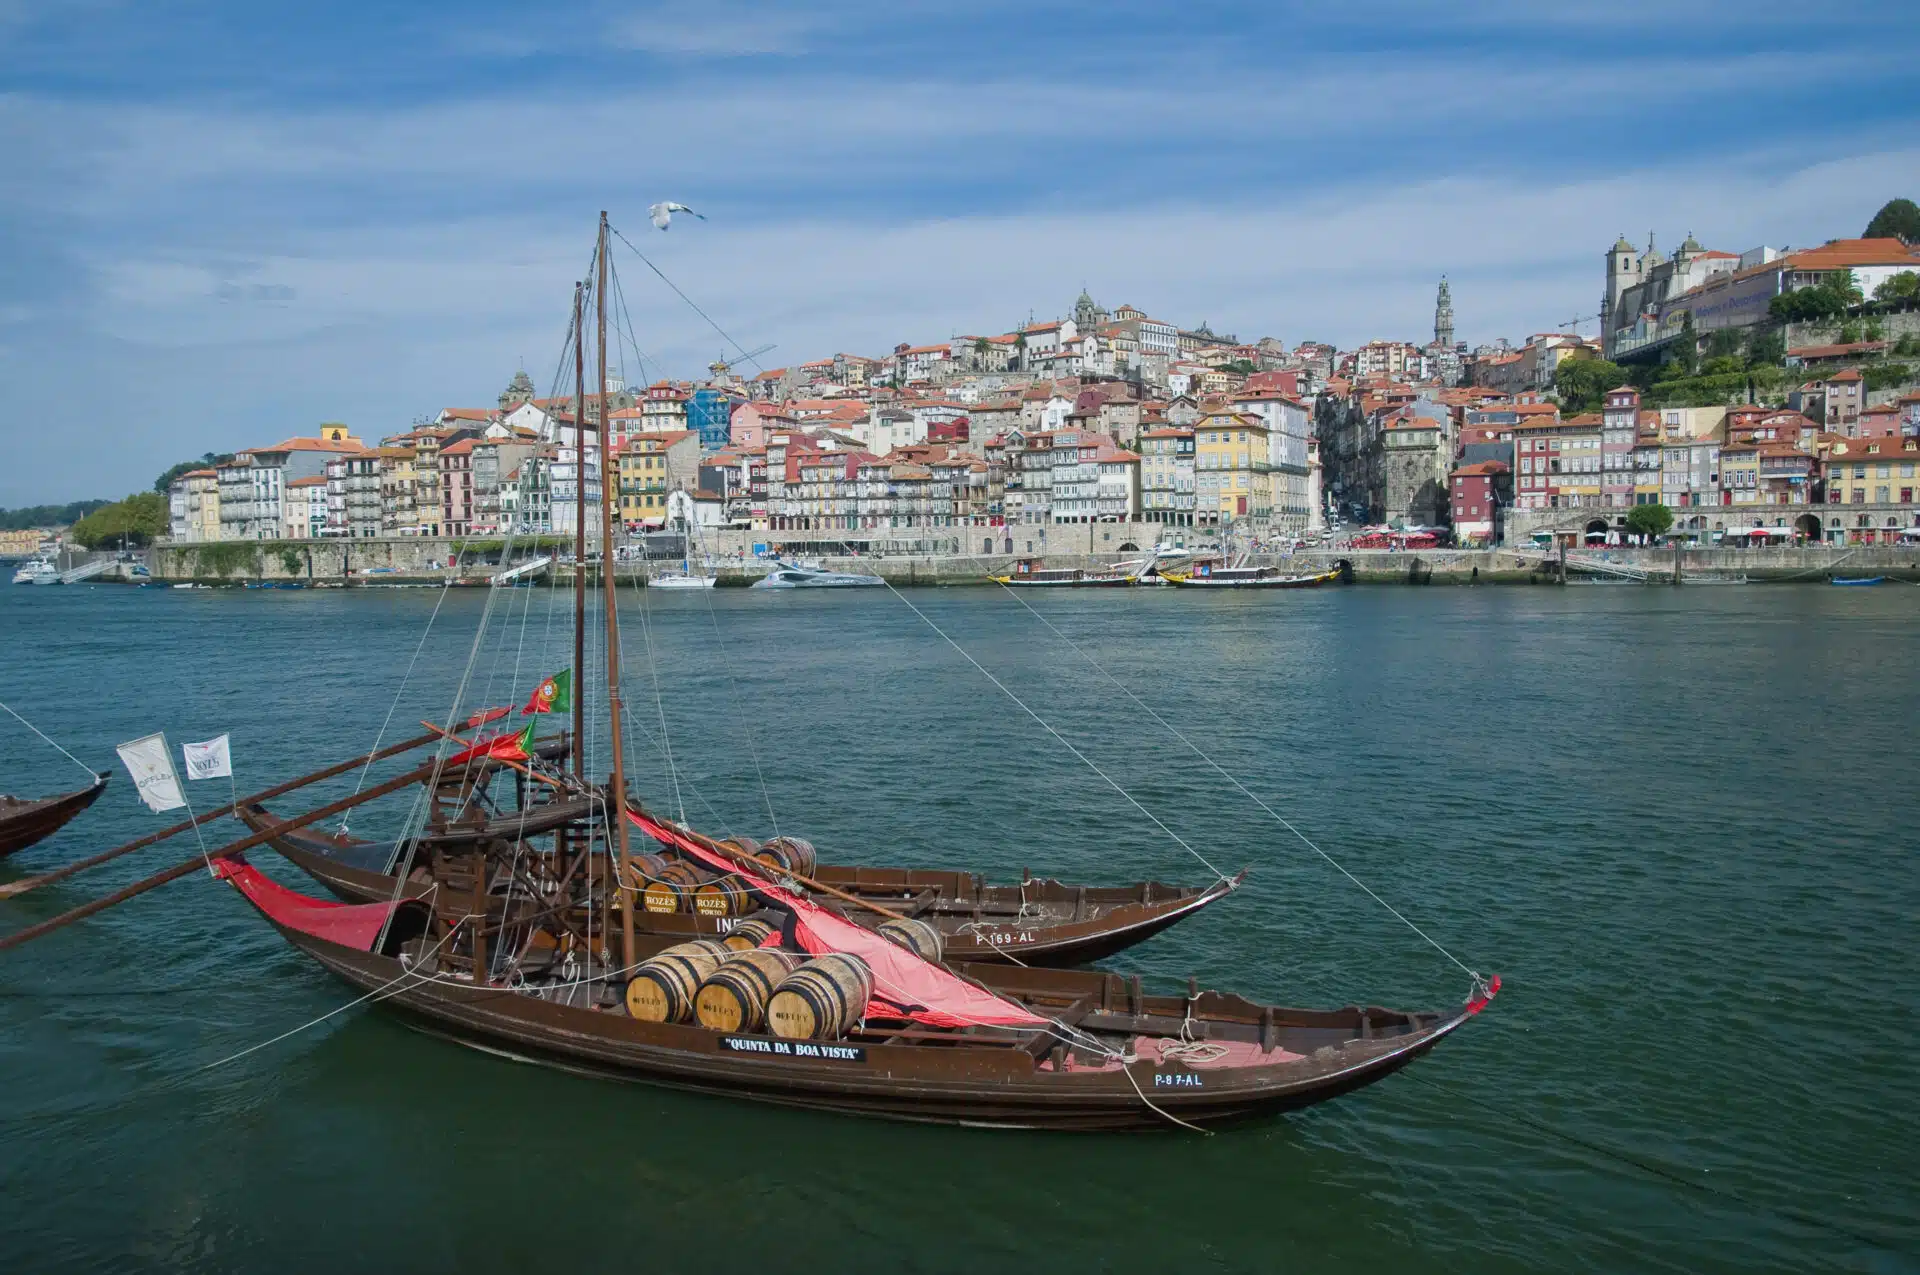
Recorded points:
1274,582
359,872
1003,1087
26,823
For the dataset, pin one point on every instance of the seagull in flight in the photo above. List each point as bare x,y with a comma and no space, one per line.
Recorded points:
662,214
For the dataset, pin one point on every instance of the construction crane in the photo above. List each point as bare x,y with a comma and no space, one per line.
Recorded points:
1573,325
748,356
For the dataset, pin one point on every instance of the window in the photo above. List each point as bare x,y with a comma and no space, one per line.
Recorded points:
1859,495
1879,495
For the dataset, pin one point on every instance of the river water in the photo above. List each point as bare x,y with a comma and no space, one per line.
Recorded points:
1681,823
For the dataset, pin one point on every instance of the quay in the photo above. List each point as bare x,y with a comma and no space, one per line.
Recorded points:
417,561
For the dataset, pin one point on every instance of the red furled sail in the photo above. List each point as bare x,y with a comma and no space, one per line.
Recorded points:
354,925
920,991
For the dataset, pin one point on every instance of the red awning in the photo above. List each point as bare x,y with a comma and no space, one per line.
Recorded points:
918,990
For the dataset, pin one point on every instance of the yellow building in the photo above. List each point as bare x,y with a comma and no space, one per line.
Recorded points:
651,466
1232,470
400,510
1872,471
203,504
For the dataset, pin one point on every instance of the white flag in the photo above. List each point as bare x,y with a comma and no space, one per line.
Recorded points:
152,769
210,760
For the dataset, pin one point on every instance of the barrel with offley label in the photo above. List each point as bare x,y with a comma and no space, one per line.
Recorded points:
822,1000
662,990
734,997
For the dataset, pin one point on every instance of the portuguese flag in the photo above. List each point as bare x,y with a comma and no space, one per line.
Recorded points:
501,747
555,695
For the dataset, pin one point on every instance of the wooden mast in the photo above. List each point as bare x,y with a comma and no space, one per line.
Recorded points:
617,794
579,530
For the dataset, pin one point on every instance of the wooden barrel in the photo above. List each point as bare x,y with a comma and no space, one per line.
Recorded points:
744,845
663,988
734,997
749,934
722,896
672,890
646,867
915,935
790,854
821,1000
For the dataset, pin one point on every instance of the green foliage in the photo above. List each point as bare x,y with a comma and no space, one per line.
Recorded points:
1649,520
1897,219
207,461
1902,289
224,558
292,560
1873,331
1724,343
1581,383
140,519
1827,300
1907,345
1723,364
1767,384
1768,347
48,515
1885,376
1686,348
1849,332
1241,367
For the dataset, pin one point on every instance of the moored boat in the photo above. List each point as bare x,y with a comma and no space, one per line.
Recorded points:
1211,573
1038,921
27,820
1029,573
995,1046
793,575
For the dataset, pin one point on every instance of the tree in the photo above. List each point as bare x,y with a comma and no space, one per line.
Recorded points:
207,460
1649,520
140,519
1901,290
1686,347
1723,365
1241,367
48,515
1768,348
1581,382
1723,342
1897,219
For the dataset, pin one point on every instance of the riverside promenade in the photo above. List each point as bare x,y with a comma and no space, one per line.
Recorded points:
418,561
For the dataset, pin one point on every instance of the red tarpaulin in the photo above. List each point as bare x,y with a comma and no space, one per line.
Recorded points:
902,982
354,925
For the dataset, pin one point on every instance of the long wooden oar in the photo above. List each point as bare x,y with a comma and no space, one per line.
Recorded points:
746,860
199,861
21,886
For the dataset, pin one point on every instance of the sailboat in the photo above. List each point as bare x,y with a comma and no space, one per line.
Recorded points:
529,944
680,512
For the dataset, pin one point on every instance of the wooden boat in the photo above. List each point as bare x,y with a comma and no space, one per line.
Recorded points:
1028,573
1038,921
1070,1049
1211,574
24,821
526,937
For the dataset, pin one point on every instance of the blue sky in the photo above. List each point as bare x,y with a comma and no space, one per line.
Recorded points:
225,223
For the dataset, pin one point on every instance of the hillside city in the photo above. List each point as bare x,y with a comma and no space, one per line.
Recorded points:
1759,393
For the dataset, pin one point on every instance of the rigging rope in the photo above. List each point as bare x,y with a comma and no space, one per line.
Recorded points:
1068,744
56,748
1221,771
744,353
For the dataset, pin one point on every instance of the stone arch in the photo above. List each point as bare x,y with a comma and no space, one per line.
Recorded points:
1808,525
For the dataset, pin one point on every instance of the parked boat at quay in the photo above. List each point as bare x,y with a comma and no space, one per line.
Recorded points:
1211,573
793,575
1031,573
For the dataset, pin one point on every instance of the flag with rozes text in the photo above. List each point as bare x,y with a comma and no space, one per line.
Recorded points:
555,695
